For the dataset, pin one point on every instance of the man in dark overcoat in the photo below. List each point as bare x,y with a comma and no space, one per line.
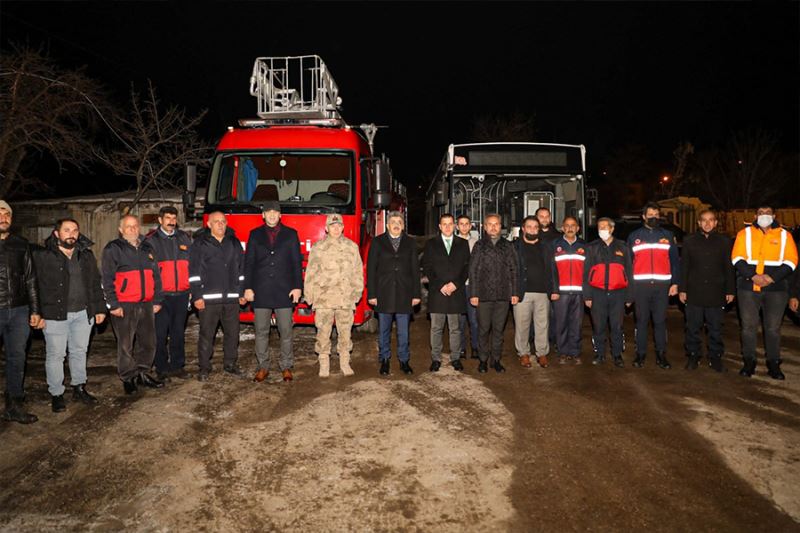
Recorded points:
445,263
393,288
707,283
273,282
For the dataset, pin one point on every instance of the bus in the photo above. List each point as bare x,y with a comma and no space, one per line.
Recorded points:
302,154
512,179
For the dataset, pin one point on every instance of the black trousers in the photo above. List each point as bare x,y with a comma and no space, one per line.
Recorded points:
568,315
210,318
170,326
651,300
696,318
492,318
608,310
136,339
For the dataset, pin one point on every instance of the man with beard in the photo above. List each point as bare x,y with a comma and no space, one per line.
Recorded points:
536,287
132,287
19,311
708,282
393,289
171,249
493,272
547,234
72,302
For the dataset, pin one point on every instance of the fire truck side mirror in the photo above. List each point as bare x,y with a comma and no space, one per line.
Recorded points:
191,189
381,184
440,194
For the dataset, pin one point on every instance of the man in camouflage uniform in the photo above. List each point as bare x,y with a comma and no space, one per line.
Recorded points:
334,283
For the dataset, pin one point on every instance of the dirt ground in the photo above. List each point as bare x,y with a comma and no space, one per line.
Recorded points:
566,448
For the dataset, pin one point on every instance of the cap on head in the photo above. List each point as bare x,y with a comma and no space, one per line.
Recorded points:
271,205
334,218
4,205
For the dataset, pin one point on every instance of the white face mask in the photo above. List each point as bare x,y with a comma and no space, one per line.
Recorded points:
764,221
604,234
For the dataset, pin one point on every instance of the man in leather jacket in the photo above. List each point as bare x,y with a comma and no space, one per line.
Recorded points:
19,310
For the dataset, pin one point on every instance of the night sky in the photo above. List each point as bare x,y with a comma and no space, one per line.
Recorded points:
597,74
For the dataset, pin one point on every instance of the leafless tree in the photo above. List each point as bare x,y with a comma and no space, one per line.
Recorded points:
749,170
44,111
514,127
679,178
156,143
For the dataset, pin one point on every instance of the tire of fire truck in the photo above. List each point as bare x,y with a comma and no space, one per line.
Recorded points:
370,326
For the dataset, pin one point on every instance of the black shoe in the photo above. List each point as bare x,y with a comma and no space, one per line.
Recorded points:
130,386
639,361
435,366
57,403
234,370
774,370
384,367
483,367
15,413
474,355
691,363
661,361
79,394
181,373
498,367
406,368
598,360
715,362
457,365
149,381
202,376
618,362
462,355
163,377
748,369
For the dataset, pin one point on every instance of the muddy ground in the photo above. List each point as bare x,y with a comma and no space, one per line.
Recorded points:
567,448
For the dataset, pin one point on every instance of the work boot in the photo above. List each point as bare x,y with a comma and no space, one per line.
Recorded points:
344,364
149,381
130,386
748,369
15,413
715,362
693,358
638,362
324,365
774,370
79,394
661,361
57,403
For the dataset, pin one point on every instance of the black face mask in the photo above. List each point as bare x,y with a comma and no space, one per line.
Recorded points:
652,222
67,245
531,236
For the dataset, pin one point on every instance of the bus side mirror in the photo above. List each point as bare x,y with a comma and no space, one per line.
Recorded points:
381,184
440,194
190,192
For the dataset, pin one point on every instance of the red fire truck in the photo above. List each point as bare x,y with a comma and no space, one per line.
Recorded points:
301,153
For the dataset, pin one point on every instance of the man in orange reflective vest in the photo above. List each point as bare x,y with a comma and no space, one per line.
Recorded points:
764,255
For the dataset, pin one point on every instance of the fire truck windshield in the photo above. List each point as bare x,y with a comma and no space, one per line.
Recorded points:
302,181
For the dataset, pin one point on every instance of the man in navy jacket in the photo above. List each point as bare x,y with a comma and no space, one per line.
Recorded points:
273,282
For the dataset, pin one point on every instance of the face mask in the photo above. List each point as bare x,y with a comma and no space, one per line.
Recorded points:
531,236
764,221
652,222
604,234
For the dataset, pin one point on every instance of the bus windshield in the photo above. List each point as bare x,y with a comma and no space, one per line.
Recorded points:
302,181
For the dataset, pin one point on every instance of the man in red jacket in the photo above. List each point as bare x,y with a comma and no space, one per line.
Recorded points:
132,288
171,249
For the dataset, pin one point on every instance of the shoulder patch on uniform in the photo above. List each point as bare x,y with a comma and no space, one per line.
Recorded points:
559,249
581,251
637,241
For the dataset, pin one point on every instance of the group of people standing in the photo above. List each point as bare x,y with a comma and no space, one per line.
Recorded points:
547,277
148,284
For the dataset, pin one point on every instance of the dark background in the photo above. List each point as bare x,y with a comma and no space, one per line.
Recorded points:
598,74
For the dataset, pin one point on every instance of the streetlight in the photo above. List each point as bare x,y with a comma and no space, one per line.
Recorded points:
664,180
